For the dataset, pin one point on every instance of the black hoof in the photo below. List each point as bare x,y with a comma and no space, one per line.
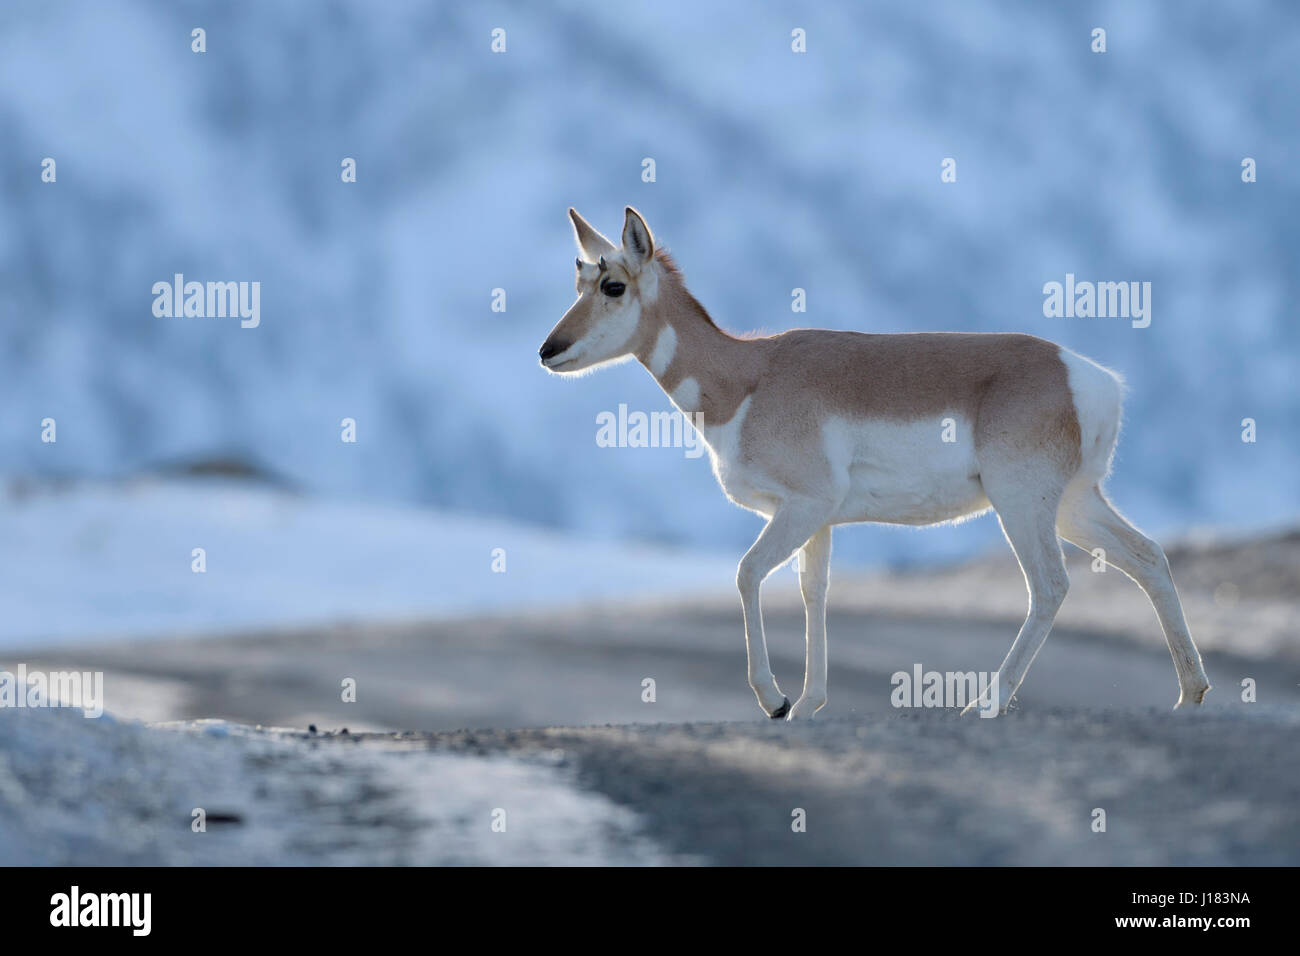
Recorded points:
782,710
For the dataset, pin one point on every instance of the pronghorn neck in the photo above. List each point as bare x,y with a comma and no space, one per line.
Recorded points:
700,367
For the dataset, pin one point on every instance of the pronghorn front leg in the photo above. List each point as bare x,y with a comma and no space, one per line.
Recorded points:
814,579
794,522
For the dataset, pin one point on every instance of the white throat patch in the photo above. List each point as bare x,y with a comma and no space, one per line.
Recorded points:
664,350
686,396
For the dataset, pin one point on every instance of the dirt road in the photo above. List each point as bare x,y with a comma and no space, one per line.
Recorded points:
588,769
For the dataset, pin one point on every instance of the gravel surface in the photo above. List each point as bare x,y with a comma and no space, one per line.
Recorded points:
600,774
935,788
913,788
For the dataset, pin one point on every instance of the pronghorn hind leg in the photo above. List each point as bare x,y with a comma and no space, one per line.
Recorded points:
814,580
1027,511
1088,520
793,523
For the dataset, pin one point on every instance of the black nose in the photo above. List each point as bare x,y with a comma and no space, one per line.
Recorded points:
550,349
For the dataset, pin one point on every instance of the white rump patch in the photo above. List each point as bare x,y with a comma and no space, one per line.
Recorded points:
1098,395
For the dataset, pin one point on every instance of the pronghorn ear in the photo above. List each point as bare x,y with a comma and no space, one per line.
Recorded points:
638,244
591,243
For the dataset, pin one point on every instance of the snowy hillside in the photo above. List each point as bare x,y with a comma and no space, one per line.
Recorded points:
775,170
109,562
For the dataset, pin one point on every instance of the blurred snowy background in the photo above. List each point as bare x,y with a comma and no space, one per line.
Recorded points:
775,170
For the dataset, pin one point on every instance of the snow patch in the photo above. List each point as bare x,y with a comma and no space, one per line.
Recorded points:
115,561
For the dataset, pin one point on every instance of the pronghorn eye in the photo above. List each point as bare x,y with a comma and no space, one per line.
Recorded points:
613,289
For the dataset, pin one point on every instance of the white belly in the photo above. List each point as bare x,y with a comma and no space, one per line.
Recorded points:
920,472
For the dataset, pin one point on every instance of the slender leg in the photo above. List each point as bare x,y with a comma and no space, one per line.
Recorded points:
814,579
1028,516
1090,521
794,523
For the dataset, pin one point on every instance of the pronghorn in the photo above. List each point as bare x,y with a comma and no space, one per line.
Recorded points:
813,428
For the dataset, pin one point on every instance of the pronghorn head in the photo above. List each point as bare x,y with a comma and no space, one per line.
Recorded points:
615,288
